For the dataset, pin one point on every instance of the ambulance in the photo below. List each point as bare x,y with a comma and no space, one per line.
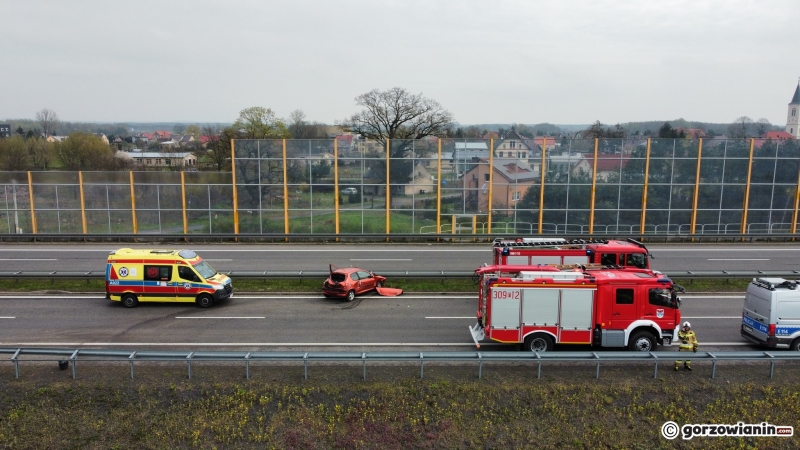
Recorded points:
134,275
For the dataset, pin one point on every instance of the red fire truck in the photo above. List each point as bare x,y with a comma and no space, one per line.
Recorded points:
532,251
540,306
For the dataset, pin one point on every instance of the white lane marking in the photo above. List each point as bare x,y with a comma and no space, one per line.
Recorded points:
712,317
275,250
217,260
251,344
221,317
711,296
441,317
720,344
28,259
737,259
408,259
8,317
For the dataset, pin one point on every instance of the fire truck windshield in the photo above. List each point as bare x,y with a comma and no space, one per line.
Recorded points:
636,260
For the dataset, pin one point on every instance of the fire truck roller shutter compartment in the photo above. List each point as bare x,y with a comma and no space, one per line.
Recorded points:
576,316
540,307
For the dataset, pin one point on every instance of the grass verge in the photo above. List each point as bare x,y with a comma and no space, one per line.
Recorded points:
393,409
309,285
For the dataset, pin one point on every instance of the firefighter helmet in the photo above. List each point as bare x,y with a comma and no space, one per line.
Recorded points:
687,325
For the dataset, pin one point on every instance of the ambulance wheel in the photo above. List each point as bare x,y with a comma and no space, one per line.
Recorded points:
539,342
351,295
642,341
205,301
795,345
129,301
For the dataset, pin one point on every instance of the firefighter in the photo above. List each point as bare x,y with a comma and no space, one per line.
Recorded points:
688,344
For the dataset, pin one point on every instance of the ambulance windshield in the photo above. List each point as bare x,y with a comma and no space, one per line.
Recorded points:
205,270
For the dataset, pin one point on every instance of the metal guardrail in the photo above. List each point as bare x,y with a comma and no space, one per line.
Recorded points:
105,355
268,274
381,237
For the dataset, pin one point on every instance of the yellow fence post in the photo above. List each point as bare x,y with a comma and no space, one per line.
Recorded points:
83,203
439,190
34,228
491,172
453,226
594,188
747,189
796,203
235,198
133,205
183,204
644,188
541,187
388,193
336,183
474,226
285,195
696,195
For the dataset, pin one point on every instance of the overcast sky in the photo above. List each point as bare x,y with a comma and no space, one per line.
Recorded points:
563,62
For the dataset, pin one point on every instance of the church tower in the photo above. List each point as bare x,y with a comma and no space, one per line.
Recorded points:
793,115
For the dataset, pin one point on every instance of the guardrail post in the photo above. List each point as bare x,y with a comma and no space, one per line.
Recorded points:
305,366
713,365
480,365
421,366
189,363
364,364
597,372
16,362
131,358
74,360
539,358
247,366
771,364
655,369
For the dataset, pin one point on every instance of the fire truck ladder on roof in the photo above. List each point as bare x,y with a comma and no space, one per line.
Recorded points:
544,243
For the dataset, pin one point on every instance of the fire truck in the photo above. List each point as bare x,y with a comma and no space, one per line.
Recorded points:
540,306
532,251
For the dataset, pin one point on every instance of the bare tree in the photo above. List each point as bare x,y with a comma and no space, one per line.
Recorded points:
299,128
398,114
762,126
740,127
218,148
48,119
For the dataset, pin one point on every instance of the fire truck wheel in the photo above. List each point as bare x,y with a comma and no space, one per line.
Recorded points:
129,301
351,295
642,341
539,342
795,345
205,301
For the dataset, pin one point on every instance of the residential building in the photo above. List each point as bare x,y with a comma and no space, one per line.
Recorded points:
513,146
511,179
159,159
607,164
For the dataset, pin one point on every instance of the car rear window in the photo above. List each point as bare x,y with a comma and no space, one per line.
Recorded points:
338,277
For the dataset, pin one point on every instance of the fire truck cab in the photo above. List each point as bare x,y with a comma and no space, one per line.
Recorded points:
540,306
532,251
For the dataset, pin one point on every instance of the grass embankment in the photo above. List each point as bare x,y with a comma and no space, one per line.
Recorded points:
393,409
314,285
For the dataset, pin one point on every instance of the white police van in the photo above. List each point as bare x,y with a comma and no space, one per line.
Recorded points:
771,315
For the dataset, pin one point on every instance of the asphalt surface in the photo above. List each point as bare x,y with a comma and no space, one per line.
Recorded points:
411,321
386,257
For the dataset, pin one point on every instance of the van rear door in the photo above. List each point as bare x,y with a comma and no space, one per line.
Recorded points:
756,313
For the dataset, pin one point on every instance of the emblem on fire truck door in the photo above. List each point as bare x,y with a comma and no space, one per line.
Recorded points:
660,313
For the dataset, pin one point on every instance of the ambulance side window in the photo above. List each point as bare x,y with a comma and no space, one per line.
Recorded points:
186,273
158,273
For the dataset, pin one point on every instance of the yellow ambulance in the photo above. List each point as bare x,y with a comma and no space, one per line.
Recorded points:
134,275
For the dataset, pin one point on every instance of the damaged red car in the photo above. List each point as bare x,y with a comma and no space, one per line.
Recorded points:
351,281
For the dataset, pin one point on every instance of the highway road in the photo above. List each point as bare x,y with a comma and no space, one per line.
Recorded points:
412,322
385,257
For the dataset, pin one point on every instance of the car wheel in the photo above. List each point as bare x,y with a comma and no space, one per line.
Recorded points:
129,301
205,301
538,342
642,341
795,345
351,295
